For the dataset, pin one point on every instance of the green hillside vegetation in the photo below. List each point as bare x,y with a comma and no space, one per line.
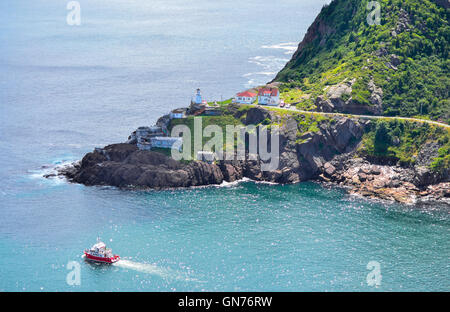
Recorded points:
402,141
306,122
221,121
398,140
407,56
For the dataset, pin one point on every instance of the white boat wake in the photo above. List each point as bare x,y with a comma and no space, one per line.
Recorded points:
153,269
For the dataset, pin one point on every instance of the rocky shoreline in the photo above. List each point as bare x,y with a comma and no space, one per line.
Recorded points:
328,155
391,183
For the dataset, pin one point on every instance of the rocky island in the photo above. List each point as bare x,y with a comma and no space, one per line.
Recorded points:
359,118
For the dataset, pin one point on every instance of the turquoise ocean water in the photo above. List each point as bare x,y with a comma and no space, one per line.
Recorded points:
65,90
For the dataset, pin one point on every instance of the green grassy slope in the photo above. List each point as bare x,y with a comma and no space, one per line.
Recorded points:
407,56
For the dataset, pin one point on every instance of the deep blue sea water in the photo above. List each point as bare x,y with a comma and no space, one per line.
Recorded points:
67,89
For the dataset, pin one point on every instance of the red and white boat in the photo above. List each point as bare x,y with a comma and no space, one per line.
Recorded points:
99,253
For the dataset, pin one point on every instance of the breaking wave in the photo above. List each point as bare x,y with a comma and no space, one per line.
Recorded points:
49,172
288,47
270,64
231,184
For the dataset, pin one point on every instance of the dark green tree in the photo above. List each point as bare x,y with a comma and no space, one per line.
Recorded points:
382,139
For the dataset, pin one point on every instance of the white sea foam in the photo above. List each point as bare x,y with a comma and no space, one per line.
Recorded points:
231,184
49,172
153,269
271,64
288,47
265,182
260,73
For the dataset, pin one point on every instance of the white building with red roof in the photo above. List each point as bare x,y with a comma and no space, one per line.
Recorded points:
269,96
246,97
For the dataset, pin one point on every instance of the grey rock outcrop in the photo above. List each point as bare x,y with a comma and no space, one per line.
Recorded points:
123,165
376,98
403,23
339,99
256,115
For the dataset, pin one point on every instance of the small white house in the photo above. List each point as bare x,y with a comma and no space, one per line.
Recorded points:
178,113
167,142
246,97
269,96
148,131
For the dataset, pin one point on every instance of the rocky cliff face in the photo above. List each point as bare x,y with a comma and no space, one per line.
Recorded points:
123,165
329,155
339,99
300,159
303,158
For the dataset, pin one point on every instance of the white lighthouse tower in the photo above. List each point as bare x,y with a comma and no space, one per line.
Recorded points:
197,103
198,97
